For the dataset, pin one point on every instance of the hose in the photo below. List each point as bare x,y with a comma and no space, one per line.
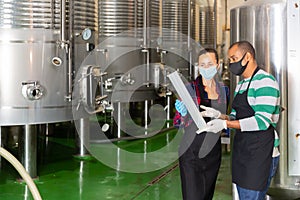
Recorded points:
24,174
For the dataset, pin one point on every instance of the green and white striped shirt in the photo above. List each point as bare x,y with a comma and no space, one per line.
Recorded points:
264,98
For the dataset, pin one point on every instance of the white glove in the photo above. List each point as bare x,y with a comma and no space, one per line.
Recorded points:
210,112
216,125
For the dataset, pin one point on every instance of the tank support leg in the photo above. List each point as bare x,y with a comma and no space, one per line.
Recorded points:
28,149
83,135
1,145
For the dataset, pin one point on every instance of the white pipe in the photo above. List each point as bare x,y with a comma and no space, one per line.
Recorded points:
24,174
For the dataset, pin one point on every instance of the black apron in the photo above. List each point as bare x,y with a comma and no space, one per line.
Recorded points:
200,157
198,175
252,150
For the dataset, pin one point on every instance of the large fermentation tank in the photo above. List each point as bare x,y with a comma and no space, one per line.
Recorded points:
273,28
175,15
42,44
119,15
41,47
193,18
121,41
174,23
203,29
33,80
171,25
150,35
131,34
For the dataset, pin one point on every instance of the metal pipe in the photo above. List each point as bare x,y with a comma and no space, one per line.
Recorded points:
189,40
215,24
84,135
70,55
28,149
148,67
1,140
146,115
63,21
119,119
189,24
168,110
145,24
1,145
145,40
235,195
69,74
225,10
161,18
136,17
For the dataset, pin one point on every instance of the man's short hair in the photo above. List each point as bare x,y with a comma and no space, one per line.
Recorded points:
244,46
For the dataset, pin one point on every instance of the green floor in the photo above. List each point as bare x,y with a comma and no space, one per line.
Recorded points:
62,176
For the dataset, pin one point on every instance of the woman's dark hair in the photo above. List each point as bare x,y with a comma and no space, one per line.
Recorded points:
209,50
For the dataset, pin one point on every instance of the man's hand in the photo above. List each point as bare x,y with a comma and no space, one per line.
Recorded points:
215,126
210,112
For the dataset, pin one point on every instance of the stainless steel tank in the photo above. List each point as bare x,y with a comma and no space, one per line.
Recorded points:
174,25
33,65
132,39
119,15
122,41
196,23
175,16
83,16
137,37
273,28
203,27
140,33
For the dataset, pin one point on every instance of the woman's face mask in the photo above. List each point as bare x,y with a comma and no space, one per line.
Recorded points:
208,65
237,68
208,73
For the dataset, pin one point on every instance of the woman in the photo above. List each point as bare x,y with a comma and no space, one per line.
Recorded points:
200,154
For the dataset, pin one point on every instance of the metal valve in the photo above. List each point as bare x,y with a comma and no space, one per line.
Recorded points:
127,79
32,90
297,183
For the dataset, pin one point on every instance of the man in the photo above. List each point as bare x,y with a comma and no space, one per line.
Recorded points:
200,154
255,113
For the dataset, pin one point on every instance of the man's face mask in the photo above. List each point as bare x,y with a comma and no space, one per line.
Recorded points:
208,73
237,68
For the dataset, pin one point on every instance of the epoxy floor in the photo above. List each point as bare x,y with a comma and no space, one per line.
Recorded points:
63,176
